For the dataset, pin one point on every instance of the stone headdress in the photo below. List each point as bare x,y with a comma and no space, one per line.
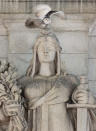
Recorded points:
35,64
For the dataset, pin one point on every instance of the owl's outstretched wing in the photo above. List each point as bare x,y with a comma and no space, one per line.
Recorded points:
33,23
57,13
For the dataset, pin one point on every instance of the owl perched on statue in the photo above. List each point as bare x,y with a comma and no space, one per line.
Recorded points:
43,14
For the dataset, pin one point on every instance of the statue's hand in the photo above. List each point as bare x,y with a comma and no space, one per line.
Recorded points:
83,97
11,108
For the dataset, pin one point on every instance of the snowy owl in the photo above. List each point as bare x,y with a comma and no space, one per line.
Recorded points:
44,14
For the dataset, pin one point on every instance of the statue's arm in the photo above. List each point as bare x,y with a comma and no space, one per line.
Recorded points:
82,96
3,118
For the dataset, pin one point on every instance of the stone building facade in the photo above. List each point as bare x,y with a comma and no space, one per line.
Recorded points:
76,33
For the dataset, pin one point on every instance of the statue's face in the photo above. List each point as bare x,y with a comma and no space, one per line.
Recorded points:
46,53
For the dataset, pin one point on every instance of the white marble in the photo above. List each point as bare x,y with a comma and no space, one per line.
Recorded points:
92,69
73,42
67,6
92,87
92,47
75,63
21,62
72,33
21,42
92,28
71,63
72,23
3,46
3,31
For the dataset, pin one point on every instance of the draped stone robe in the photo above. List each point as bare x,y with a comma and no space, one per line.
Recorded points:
47,98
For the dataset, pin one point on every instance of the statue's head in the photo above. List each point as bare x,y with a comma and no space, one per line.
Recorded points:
45,52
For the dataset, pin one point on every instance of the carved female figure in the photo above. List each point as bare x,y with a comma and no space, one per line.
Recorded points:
47,91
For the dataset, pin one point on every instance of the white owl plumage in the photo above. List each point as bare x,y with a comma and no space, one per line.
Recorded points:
44,14
41,10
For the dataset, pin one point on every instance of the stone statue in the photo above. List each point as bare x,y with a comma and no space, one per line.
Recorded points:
51,95
47,90
11,102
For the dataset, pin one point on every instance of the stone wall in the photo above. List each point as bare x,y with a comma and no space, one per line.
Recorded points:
68,6
78,54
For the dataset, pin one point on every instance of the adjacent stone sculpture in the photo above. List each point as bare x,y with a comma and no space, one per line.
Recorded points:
11,102
47,90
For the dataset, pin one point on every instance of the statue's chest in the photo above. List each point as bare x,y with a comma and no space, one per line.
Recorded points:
37,89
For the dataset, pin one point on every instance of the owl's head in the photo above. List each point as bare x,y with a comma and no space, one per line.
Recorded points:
41,10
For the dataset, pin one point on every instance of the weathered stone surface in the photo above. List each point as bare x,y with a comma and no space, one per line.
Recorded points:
73,42
71,63
3,59
75,63
3,46
17,25
72,34
72,23
3,31
92,69
92,28
92,87
21,42
21,61
92,47
26,6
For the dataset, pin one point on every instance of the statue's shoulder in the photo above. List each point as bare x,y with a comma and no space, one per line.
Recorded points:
68,80
25,81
